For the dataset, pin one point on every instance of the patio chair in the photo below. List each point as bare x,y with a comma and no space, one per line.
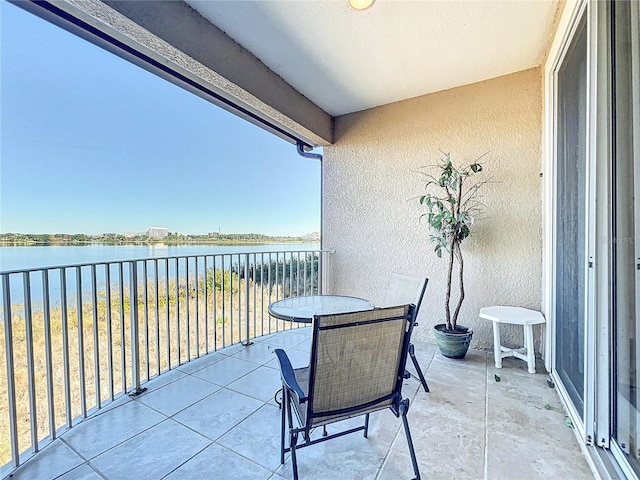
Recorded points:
356,368
404,289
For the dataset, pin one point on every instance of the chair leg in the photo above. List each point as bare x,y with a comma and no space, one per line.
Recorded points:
404,408
294,462
293,434
412,354
366,425
283,414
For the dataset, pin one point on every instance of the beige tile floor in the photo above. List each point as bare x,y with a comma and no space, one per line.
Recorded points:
215,418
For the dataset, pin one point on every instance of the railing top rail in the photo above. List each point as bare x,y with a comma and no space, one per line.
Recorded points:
170,257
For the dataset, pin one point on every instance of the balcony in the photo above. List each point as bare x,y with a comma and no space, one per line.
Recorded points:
213,410
513,108
216,417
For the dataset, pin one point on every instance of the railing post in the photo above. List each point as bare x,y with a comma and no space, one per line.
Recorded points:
247,340
323,270
135,336
83,387
11,388
65,346
46,310
31,377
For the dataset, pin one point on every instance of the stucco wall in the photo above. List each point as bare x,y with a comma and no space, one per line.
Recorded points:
371,212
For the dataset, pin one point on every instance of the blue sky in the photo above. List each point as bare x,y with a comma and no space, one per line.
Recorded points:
91,143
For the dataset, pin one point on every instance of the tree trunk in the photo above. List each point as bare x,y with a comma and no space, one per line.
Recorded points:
454,320
447,310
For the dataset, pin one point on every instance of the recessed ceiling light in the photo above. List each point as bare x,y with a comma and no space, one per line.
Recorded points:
360,4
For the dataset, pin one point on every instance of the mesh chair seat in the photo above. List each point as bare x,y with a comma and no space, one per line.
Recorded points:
302,377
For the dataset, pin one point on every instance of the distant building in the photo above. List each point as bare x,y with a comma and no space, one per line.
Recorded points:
312,237
158,232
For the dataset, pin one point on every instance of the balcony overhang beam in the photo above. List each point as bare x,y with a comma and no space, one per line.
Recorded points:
175,42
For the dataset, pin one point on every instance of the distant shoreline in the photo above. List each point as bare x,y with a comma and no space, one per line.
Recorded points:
79,239
151,242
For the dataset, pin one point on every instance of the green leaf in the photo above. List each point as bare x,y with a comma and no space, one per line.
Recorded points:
476,167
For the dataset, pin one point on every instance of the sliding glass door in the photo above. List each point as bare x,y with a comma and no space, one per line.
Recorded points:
595,276
625,73
570,225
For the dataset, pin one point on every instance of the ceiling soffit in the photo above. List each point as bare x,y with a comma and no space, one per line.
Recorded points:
346,61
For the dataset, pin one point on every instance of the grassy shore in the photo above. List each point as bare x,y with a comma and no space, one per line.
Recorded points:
97,341
27,239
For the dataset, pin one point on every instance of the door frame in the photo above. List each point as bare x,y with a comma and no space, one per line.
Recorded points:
569,21
596,429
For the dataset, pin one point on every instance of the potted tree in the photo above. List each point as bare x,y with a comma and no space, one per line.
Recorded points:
452,204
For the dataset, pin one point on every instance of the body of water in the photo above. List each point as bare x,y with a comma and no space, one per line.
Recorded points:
26,257
44,257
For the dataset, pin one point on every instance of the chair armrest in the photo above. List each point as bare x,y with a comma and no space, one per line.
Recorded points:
288,377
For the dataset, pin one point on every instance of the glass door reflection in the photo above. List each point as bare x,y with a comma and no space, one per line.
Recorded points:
626,234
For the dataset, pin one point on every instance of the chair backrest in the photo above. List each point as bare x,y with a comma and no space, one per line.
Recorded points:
357,361
403,289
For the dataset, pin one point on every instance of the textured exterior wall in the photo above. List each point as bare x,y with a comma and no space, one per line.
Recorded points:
371,211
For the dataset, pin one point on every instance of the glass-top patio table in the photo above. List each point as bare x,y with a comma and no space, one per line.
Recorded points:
302,309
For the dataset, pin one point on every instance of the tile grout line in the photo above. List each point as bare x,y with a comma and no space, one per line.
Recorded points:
188,460
86,459
249,459
486,418
385,460
393,442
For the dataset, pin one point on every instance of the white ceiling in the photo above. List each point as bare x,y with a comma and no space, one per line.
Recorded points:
345,61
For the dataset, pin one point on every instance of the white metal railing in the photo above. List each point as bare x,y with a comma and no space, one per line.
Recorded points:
77,337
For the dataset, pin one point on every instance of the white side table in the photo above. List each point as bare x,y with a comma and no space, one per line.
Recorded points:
517,316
